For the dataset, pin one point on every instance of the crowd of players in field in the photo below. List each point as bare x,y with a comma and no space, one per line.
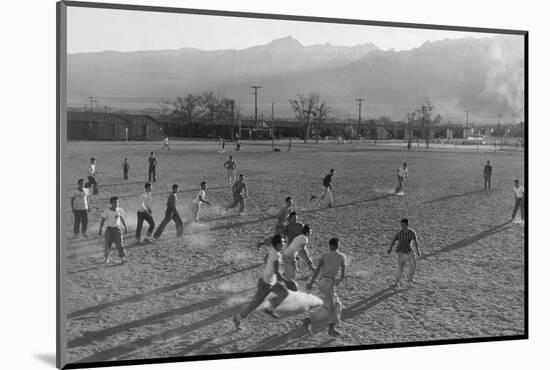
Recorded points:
288,244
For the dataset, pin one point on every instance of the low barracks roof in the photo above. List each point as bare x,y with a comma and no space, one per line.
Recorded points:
101,117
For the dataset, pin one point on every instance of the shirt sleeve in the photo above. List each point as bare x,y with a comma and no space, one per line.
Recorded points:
104,214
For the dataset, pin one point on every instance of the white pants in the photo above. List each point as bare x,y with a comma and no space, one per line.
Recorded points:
330,196
402,260
230,176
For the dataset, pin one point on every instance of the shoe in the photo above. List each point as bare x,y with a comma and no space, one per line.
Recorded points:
271,313
237,323
412,281
106,261
312,197
307,324
124,260
334,333
259,245
146,241
75,236
85,235
330,205
394,285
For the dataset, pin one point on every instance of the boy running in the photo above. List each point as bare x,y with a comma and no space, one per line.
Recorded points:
405,254
91,177
113,217
145,213
80,207
152,167
402,175
171,213
125,168
519,193
281,217
297,247
240,191
328,267
230,166
199,199
328,189
270,282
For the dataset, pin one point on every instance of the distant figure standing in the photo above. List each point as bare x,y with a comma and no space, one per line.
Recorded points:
92,173
327,180
409,144
125,168
199,199
402,175
166,145
113,217
240,191
80,207
405,254
152,168
230,166
171,213
328,267
519,193
289,144
145,213
487,173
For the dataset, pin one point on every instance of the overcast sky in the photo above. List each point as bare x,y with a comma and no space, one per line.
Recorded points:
90,30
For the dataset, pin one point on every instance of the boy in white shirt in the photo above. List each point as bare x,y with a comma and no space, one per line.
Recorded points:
113,217
402,175
165,145
298,246
270,282
199,199
91,177
80,207
519,193
145,213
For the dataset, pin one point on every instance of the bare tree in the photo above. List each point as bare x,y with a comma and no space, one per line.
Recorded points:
304,108
189,108
428,123
213,109
321,115
228,112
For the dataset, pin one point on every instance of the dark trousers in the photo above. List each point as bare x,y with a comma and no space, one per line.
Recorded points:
92,182
144,216
80,218
263,291
152,173
487,182
125,174
518,205
168,216
114,235
237,199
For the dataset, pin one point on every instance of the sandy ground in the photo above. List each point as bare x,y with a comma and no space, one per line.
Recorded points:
176,297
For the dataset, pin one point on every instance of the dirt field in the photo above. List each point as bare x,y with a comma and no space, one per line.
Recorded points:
177,297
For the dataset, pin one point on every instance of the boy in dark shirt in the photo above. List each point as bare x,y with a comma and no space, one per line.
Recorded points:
171,214
487,173
152,168
125,168
328,189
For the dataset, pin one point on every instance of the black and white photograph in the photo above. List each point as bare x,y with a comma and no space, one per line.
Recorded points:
246,184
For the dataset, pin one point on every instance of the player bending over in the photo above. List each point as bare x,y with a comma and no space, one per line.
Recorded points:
298,247
270,282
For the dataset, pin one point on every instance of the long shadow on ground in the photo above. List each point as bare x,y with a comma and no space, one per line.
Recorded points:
300,333
213,274
470,240
455,196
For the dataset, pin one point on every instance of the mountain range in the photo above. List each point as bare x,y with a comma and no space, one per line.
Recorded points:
482,75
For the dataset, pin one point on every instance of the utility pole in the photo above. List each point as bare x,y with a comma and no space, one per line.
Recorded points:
467,122
92,100
272,124
359,102
255,93
499,130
